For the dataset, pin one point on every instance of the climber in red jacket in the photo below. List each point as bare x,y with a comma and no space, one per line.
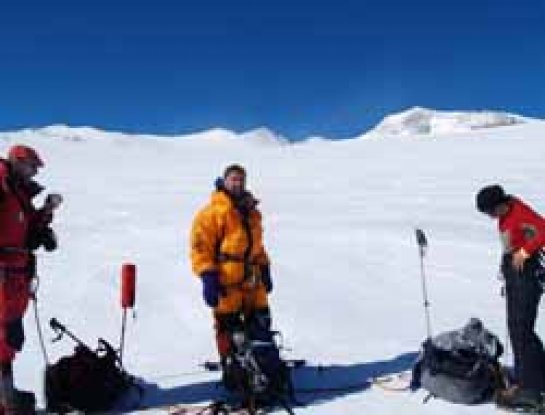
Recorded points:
23,229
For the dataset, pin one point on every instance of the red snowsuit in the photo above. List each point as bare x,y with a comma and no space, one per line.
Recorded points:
19,222
521,227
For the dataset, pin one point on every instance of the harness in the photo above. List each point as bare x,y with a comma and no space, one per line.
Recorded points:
251,276
7,271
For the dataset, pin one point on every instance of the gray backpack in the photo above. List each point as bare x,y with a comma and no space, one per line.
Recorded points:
460,366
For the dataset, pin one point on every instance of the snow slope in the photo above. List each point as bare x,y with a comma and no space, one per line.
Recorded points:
339,225
423,121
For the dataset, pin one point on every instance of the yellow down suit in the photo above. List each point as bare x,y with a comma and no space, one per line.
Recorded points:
227,237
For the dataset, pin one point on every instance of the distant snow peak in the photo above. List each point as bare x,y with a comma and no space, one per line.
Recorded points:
423,121
314,139
69,133
259,136
264,135
214,135
64,132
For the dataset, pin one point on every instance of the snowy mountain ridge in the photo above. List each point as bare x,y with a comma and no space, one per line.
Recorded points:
428,122
416,121
261,136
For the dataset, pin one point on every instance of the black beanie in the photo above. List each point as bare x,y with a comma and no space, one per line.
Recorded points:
232,169
490,197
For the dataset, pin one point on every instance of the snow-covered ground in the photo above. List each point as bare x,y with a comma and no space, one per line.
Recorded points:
339,225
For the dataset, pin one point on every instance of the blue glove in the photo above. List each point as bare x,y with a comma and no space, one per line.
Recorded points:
266,277
211,288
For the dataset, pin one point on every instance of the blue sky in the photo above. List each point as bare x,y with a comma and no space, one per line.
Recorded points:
331,68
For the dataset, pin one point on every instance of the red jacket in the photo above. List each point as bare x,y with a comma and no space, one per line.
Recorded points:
18,216
20,222
521,227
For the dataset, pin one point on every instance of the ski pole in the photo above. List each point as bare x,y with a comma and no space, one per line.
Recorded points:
422,246
128,293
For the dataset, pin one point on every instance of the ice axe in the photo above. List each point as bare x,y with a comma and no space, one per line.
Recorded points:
128,294
422,247
61,330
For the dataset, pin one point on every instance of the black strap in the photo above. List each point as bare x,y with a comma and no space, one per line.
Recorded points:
7,271
248,251
13,250
227,257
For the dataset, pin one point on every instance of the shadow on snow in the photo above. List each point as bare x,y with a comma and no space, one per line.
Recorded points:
313,383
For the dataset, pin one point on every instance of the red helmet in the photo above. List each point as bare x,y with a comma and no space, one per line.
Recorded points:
25,153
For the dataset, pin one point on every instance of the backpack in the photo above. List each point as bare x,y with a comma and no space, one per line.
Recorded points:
460,366
87,380
254,368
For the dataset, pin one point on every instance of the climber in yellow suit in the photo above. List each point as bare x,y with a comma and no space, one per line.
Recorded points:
228,255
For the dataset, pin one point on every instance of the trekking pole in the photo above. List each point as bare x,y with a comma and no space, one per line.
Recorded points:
34,298
128,294
422,246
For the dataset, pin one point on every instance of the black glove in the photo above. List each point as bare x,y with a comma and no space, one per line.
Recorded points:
49,240
42,237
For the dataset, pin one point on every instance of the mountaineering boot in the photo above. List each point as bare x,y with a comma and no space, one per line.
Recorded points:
232,374
516,397
12,400
227,377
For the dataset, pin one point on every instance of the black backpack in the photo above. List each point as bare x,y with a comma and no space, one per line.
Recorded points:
88,380
460,366
254,368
